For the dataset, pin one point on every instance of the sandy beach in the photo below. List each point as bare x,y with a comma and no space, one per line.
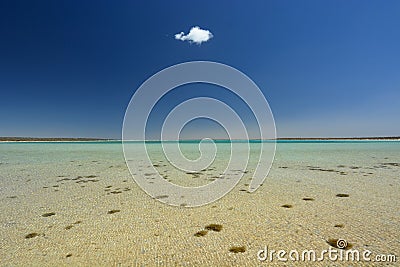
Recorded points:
77,205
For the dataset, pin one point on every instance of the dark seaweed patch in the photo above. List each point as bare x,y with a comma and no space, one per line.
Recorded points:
326,170
161,197
237,249
394,164
201,233
48,214
86,181
31,235
64,179
113,211
195,174
214,227
342,195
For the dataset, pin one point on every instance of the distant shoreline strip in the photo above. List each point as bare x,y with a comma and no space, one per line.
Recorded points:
34,139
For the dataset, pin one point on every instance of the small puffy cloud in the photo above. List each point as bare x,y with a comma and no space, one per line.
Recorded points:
195,35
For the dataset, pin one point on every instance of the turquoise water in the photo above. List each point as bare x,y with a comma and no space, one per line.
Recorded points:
327,154
53,151
46,156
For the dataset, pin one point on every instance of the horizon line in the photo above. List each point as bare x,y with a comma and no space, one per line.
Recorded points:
87,139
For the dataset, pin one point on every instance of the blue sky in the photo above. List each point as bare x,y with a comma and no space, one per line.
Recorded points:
327,68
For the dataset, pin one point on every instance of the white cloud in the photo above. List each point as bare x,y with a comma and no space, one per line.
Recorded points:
195,35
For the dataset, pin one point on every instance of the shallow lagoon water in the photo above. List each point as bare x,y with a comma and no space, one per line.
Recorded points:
75,203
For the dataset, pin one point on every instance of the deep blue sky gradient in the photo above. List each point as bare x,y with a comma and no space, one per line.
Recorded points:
327,68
